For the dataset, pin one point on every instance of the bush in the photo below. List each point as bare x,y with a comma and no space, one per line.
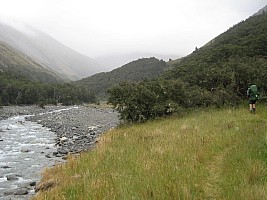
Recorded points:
138,102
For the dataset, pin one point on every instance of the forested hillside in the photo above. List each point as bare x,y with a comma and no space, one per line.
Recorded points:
217,74
135,71
18,90
236,57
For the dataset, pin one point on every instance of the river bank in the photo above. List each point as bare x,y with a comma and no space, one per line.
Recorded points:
10,111
76,127
24,140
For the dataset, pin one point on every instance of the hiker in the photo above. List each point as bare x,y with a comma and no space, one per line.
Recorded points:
253,96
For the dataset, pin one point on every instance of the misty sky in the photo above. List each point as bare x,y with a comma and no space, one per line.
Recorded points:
106,27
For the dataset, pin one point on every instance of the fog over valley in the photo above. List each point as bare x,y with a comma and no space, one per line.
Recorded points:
115,33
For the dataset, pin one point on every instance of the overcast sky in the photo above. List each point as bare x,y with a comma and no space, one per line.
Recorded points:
102,27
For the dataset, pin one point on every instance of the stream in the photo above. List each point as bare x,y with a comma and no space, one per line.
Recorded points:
24,153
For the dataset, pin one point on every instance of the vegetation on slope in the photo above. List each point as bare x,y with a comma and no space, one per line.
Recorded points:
44,49
215,154
18,90
135,71
18,63
23,81
217,74
235,57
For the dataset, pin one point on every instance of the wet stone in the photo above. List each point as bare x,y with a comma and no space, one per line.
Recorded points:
5,167
21,191
12,177
25,150
48,156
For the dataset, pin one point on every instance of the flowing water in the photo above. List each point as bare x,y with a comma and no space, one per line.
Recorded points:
24,153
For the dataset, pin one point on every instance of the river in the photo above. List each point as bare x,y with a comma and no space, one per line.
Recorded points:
25,149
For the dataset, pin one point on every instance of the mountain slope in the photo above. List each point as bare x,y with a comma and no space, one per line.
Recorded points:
133,71
236,57
218,74
261,11
117,60
49,52
16,62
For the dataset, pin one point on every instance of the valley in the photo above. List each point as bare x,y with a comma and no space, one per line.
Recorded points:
149,129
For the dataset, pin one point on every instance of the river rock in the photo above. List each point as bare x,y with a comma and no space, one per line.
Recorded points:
12,177
21,191
5,167
33,183
63,151
25,150
28,185
63,139
75,137
48,156
9,192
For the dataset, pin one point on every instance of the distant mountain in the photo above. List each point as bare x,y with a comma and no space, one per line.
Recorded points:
16,62
114,61
133,71
49,52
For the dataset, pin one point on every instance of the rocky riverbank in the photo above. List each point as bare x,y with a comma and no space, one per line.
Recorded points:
9,111
77,127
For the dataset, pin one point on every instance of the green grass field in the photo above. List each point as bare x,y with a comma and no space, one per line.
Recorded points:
213,154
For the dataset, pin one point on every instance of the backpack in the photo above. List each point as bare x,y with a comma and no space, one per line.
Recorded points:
253,92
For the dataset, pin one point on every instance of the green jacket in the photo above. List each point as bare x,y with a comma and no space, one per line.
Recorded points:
253,93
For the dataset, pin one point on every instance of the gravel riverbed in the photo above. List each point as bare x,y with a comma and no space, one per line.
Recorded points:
77,127
74,129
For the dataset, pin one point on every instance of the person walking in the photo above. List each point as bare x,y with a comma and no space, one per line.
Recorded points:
253,96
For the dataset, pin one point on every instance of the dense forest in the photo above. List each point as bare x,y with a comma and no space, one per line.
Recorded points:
19,90
216,74
134,71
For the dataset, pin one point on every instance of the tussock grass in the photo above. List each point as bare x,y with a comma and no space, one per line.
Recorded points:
214,154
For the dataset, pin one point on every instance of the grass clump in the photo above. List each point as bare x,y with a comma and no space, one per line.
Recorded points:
215,154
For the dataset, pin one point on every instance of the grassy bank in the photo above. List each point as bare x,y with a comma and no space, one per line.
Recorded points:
206,155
